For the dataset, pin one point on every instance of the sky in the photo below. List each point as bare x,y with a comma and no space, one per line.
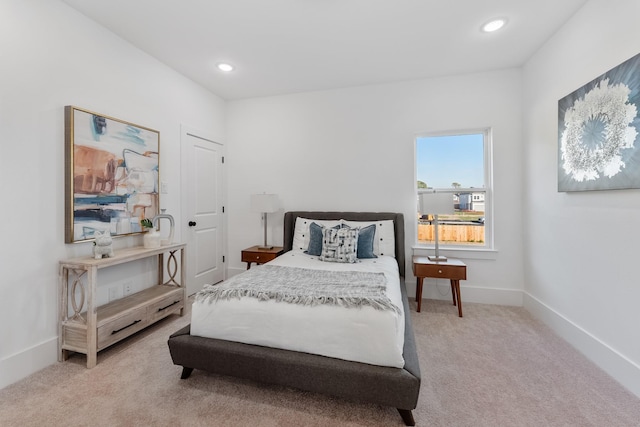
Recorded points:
442,160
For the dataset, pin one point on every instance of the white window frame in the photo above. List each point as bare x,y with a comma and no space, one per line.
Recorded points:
487,190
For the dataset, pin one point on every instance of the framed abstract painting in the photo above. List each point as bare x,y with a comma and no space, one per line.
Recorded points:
111,175
598,125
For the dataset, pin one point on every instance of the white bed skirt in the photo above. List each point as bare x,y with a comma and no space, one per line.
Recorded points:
360,334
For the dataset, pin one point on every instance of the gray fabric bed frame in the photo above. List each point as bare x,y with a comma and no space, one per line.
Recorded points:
396,387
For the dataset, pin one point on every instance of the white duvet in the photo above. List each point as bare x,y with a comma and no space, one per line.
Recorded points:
360,334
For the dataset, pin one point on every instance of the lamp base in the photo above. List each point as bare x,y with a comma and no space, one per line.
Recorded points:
439,258
265,248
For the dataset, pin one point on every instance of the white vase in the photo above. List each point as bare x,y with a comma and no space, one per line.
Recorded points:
151,239
168,240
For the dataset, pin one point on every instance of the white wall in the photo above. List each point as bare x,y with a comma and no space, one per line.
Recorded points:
51,57
581,252
353,149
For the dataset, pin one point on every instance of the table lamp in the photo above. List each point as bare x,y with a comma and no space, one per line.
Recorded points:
264,204
436,203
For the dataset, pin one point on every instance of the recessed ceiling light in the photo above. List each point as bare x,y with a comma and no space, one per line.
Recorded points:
494,25
225,67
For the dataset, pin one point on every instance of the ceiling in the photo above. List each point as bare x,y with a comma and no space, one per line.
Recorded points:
288,46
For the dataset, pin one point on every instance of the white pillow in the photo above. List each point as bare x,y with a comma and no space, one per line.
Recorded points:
384,242
301,231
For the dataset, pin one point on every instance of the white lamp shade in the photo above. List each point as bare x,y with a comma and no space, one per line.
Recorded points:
264,203
436,203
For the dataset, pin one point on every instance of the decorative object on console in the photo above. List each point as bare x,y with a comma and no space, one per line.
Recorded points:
156,221
102,245
264,204
111,175
436,204
151,239
598,132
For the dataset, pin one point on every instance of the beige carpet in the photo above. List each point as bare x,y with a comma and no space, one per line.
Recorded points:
497,366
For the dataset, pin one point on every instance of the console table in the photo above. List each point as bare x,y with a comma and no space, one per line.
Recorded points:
452,269
85,327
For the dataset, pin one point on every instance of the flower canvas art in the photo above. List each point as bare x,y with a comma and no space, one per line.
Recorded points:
598,128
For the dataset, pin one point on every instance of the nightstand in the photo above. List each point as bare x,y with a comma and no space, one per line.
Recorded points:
452,269
260,256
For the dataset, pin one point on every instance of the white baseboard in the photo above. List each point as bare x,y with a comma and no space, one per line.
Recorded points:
623,370
441,290
27,362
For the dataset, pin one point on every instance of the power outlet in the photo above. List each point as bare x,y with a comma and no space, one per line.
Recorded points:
114,293
127,288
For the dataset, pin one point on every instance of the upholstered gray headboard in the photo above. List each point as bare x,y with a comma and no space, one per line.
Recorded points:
397,218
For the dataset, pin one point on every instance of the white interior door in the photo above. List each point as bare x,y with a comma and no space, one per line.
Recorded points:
202,201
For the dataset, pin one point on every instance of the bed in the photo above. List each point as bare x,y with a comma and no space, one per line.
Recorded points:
349,379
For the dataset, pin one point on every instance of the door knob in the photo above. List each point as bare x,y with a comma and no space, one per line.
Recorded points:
192,223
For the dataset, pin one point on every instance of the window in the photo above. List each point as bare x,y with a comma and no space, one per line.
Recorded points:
458,163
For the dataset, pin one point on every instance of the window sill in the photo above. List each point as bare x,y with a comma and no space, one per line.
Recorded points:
461,253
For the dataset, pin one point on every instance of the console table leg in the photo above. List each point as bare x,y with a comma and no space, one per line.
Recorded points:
92,358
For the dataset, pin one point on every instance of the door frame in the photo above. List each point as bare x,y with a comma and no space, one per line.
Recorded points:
185,131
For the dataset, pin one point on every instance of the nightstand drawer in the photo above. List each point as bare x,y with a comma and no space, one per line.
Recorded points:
258,257
452,269
445,271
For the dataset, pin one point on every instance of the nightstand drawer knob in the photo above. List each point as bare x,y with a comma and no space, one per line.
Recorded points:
439,271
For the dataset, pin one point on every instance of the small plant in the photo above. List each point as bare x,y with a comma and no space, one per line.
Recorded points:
146,223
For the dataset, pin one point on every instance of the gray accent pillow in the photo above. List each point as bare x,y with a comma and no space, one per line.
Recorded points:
365,242
315,238
340,245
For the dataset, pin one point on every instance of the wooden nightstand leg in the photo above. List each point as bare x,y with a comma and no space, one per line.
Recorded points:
457,286
248,265
419,293
453,292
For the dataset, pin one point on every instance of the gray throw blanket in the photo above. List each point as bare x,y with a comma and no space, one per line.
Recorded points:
305,287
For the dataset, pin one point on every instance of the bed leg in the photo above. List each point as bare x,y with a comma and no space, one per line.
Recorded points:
407,417
186,372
